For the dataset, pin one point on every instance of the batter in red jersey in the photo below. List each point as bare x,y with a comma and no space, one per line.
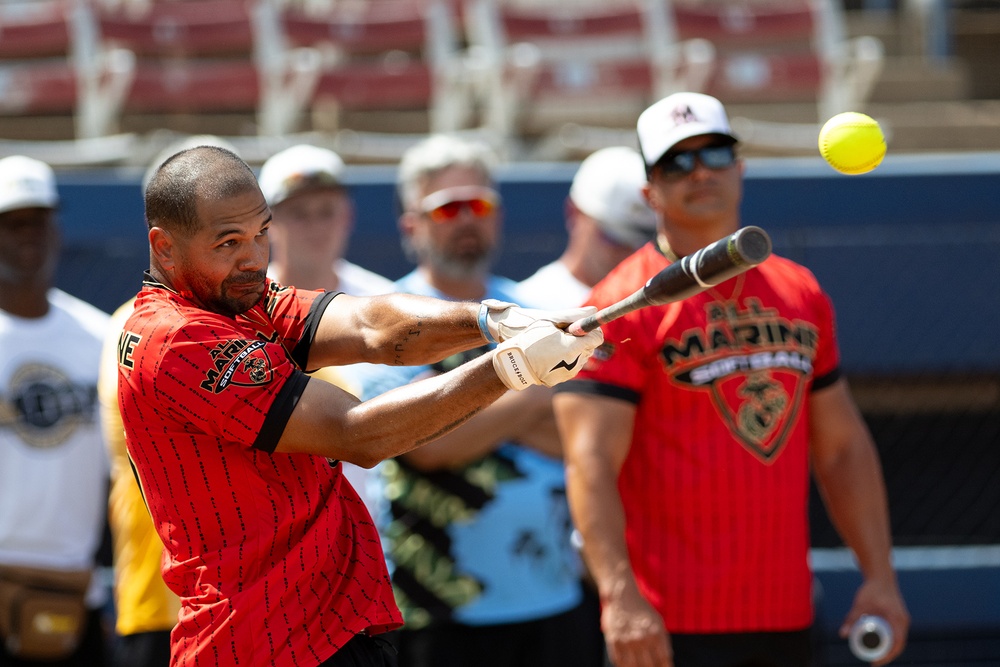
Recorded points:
690,436
274,556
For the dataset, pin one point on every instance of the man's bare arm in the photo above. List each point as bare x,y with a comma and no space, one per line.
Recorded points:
849,476
394,329
597,435
512,418
330,422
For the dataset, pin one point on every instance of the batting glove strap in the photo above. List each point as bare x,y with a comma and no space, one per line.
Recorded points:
500,320
543,354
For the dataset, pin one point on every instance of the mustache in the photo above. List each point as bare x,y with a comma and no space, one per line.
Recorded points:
247,278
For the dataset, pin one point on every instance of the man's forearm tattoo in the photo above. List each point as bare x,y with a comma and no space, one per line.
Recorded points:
401,347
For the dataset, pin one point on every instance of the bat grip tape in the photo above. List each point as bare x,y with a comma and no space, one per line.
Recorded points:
693,267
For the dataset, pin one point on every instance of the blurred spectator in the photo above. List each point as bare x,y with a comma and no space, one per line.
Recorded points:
312,218
54,475
607,218
476,526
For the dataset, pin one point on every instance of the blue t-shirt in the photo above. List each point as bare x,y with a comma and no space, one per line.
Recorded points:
487,544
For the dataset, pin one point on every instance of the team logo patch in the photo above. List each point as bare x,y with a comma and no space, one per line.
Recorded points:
244,363
754,364
760,408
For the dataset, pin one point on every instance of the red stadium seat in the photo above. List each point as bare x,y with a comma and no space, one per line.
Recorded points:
194,86
379,55
37,88
192,57
546,65
34,29
783,51
46,69
191,29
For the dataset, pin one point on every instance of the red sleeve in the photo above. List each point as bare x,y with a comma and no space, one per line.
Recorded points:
826,365
293,316
620,367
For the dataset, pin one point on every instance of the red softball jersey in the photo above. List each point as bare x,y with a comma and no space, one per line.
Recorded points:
715,484
274,556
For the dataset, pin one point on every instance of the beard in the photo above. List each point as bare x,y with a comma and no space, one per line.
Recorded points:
467,264
233,306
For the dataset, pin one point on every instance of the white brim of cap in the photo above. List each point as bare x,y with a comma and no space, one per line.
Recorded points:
32,201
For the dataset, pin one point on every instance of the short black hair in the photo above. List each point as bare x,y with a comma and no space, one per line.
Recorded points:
209,171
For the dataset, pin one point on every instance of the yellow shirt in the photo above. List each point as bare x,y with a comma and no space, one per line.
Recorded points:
143,601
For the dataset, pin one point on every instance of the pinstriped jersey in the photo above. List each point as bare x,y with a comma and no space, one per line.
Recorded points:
274,556
715,483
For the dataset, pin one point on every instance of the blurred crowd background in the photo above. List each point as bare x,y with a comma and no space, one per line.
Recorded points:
97,88
538,79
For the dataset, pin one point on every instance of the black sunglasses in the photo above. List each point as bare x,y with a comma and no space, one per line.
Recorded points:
683,162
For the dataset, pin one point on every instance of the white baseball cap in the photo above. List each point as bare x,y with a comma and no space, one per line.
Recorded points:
26,183
292,169
676,118
608,188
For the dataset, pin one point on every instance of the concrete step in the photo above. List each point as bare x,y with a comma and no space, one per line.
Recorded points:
883,25
969,125
916,79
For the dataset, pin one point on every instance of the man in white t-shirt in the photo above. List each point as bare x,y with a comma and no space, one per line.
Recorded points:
312,219
53,463
607,218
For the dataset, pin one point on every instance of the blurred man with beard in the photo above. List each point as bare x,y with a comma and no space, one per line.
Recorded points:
475,524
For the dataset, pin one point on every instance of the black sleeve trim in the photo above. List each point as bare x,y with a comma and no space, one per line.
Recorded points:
280,412
300,355
825,381
595,388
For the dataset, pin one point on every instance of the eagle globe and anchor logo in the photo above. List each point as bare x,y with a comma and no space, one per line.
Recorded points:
755,365
44,407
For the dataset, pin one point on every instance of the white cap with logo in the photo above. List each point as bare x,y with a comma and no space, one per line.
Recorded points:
26,183
608,188
298,167
678,117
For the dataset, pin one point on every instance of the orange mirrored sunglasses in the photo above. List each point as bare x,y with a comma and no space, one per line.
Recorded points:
447,205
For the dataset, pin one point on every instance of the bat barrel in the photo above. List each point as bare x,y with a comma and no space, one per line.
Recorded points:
709,266
752,244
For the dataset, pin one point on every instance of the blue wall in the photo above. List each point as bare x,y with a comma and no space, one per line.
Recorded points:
909,253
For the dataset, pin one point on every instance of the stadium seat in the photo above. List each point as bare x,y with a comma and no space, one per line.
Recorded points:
772,51
544,65
34,29
43,72
191,57
378,55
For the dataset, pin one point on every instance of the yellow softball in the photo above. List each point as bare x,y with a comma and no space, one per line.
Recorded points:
852,143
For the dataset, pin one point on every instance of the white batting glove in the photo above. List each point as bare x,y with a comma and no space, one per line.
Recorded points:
543,354
500,320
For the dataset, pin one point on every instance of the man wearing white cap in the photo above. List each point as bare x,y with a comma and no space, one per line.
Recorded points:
312,221
607,218
691,434
54,470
